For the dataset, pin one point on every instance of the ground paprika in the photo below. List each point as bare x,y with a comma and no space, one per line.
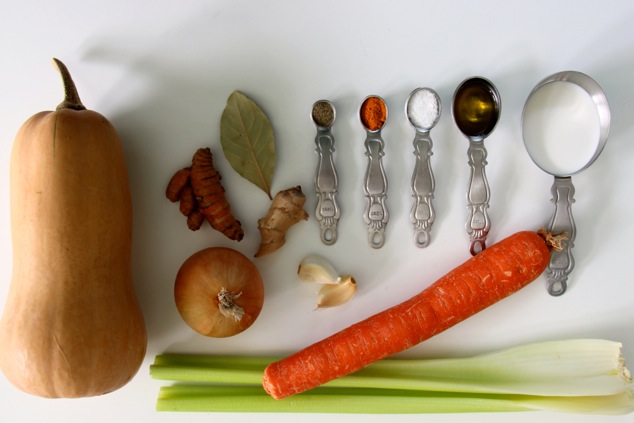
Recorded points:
373,113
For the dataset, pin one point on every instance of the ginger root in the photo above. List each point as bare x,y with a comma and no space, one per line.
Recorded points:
287,209
202,196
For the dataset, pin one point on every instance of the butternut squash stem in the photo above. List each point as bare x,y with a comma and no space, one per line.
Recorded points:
71,96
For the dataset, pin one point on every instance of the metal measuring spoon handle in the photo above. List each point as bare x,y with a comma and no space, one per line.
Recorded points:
478,195
423,109
476,111
373,114
375,188
326,182
562,261
422,215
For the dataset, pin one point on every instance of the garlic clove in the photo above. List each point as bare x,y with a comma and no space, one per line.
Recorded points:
337,294
314,268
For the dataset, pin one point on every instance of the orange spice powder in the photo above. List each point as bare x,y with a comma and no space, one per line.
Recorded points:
373,113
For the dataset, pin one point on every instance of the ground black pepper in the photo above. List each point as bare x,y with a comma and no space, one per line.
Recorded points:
323,113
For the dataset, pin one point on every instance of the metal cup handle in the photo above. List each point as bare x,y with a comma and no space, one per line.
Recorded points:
562,262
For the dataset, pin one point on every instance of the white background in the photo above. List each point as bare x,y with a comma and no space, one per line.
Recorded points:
162,71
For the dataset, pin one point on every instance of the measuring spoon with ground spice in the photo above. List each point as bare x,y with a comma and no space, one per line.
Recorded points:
326,181
373,114
423,110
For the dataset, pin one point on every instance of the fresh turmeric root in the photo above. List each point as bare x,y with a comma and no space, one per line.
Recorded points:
202,196
286,210
187,201
175,186
210,195
195,220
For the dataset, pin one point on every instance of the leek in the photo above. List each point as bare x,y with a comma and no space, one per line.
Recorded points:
579,375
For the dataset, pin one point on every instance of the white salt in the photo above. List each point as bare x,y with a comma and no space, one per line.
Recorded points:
423,108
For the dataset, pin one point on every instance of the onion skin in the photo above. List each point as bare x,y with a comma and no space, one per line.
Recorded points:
203,276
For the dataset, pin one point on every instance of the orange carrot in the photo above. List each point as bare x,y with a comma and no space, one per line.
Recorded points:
210,194
484,279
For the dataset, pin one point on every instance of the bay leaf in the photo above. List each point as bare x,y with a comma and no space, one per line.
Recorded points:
247,140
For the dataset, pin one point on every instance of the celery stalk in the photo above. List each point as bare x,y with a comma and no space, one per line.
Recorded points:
221,361
560,368
324,400
249,399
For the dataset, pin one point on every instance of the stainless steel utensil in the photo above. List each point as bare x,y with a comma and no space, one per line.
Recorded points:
476,110
565,107
326,181
423,109
375,183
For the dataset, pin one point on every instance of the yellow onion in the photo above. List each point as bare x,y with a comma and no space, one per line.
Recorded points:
219,292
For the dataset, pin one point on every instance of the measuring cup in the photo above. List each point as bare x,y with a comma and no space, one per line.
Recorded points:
323,114
423,109
476,110
565,125
375,183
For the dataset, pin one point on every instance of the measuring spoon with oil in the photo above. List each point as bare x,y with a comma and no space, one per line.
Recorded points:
476,111
326,182
565,125
423,109
373,114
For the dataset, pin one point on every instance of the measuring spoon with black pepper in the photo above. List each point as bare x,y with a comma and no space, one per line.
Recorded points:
326,181
476,111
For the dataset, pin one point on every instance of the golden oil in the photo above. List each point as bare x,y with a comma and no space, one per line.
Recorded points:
476,108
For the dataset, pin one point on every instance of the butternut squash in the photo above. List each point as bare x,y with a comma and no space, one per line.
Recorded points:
72,325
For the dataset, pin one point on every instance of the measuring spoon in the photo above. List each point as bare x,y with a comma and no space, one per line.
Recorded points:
476,111
565,125
423,110
373,114
326,182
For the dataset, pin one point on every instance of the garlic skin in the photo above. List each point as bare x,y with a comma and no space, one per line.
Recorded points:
316,269
337,294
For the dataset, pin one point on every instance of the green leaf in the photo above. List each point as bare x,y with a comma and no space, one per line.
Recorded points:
247,140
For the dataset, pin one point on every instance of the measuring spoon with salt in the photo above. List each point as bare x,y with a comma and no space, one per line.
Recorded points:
565,125
423,110
476,111
373,114
326,182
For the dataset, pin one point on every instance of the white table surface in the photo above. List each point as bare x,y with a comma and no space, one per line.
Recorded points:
162,71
